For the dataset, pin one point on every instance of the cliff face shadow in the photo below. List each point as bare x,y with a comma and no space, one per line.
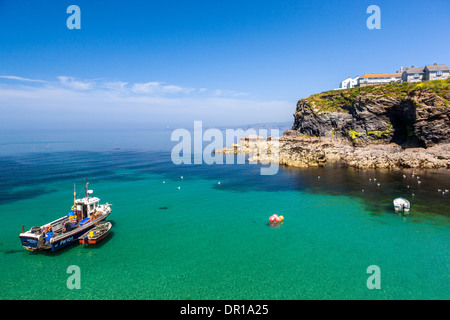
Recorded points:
403,118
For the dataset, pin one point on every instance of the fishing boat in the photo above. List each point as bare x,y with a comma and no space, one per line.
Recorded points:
96,234
86,213
401,204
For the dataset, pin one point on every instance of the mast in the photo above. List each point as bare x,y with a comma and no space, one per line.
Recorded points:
74,194
86,188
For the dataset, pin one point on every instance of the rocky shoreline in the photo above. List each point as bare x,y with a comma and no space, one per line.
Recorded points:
298,151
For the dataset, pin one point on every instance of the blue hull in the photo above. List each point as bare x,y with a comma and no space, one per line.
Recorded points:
56,245
29,243
72,238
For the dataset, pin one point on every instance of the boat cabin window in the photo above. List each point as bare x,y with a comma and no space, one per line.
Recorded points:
93,206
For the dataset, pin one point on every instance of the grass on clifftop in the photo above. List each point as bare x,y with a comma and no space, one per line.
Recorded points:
342,100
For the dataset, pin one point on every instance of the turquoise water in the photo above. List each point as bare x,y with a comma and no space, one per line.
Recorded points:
213,241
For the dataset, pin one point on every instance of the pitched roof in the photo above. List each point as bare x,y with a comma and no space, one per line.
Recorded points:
436,67
382,75
415,70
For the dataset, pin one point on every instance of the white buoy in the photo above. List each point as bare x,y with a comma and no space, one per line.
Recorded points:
404,176
374,179
401,204
413,195
218,182
407,187
439,190
370,179
378,184
446,190
318,177
179,188
419,182
362,190
181,177
164,182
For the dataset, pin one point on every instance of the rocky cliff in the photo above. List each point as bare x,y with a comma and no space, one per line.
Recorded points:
385,126
410,115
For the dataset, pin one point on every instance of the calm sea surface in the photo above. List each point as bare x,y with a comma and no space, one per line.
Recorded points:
194,238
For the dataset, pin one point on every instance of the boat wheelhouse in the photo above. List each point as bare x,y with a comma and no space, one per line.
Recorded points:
86,213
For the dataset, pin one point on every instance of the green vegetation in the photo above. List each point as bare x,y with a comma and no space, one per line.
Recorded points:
354,134
343,100
381,134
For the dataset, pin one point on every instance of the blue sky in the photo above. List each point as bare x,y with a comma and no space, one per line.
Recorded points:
153,63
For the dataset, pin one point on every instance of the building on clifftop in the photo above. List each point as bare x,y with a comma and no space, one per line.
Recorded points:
436,72
379,78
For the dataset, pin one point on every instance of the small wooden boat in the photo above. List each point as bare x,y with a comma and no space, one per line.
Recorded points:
96,234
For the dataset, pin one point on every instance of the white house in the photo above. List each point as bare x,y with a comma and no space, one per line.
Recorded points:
379,78
348,83
413,74
436,72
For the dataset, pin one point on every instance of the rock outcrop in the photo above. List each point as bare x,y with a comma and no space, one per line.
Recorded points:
396,125
409,115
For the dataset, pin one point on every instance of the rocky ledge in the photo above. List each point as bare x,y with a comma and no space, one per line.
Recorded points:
386,126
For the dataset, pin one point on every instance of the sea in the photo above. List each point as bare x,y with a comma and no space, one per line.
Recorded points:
202,231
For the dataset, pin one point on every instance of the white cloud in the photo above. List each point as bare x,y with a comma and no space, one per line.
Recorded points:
21,79
114,85
107,103
75,84
159,88
149,87
229,93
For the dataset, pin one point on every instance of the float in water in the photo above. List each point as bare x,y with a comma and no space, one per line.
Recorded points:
276,219
401,204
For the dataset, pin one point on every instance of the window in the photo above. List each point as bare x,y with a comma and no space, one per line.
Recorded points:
416,76
439,73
